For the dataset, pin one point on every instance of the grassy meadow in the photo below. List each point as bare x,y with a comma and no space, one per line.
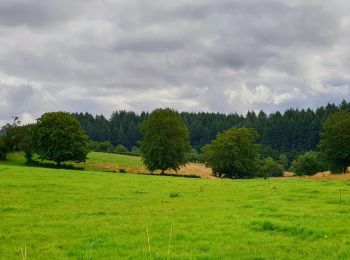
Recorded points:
63,214
109,162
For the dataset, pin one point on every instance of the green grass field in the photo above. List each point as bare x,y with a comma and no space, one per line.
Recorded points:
62,214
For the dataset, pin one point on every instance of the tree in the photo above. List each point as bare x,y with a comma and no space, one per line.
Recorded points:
335,140
26,141
233,153
18,137
12,134
272,168
58,137
283,160
308,163
3,148
165,140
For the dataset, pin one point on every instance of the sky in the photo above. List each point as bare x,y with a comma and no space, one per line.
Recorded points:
226,56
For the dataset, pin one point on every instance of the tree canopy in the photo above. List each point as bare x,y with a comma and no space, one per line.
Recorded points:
165,141
58,137
309,163
335,140
233,153
271,168
292,132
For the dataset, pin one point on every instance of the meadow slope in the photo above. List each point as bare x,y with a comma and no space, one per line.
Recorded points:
61,214
109,162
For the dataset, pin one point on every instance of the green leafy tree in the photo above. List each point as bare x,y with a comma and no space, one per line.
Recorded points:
335,140
308,163
233,153
12,134
58,137
283,160
165,142
271,168
26,141
18,137
3,148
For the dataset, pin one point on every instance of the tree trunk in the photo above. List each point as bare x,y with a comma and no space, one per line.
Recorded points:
162,172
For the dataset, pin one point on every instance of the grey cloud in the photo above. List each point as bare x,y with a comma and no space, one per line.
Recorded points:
99,56
36,13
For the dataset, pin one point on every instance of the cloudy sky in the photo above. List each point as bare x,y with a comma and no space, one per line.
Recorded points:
222,56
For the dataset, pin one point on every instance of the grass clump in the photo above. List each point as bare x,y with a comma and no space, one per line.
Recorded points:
293,230
174,194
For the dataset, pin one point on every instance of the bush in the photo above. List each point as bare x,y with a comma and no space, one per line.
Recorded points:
105,147
283,160
271,168
309,163
192,156
121,149
93,146
135,150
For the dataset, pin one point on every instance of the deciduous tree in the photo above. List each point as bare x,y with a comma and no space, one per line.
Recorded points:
335,140
58,137
165,140
233,153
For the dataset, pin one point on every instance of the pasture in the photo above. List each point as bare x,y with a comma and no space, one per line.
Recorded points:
62,214
109,162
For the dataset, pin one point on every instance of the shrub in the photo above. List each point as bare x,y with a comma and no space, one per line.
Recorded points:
283,160
121,149
192,156
309,163
135,150
105,147
272,168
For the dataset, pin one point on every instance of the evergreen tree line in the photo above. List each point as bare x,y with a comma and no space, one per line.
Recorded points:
291,133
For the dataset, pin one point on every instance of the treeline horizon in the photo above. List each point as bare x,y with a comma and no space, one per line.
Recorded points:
292,132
